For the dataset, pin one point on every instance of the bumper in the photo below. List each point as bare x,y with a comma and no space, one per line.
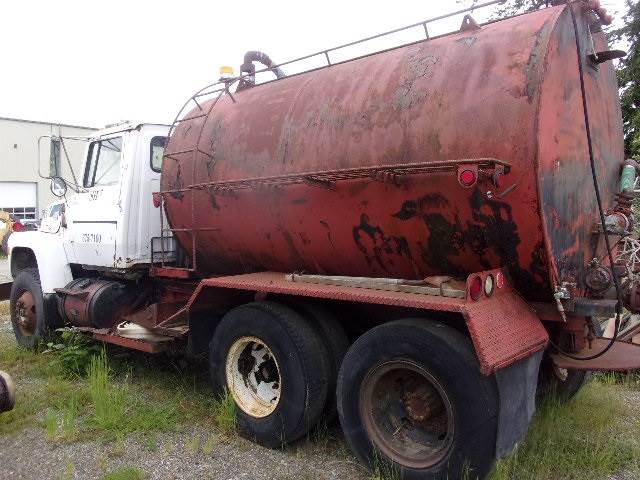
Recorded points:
622,356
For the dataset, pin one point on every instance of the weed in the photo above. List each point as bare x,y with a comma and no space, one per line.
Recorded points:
61,422
151,441
74,352
224,412
210,445
117,447
69,471
383,469
193,445
109,401
126,473
4,306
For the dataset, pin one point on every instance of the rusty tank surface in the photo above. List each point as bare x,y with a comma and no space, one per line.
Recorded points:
455,154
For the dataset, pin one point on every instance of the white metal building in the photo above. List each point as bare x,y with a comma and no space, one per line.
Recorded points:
23,191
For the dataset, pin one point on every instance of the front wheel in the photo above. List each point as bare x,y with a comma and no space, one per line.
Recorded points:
27,309
413,403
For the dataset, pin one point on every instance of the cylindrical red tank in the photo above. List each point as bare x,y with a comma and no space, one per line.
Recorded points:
509,91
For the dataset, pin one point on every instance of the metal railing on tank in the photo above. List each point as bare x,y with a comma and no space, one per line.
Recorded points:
212,93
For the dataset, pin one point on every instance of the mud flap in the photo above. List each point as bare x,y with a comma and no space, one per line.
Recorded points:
517,385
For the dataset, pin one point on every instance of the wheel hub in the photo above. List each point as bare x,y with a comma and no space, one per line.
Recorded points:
253,377
407,414
26,314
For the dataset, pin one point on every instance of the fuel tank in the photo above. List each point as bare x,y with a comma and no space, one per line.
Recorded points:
359,168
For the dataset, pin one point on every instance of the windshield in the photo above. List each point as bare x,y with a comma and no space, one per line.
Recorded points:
103,165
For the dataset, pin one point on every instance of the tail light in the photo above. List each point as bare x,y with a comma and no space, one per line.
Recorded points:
475,288
467,177
17,227
156,200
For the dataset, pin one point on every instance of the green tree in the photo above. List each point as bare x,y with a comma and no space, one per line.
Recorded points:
513,7
629,77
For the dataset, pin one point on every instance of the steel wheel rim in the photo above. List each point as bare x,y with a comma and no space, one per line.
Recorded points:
253,377
407,414
25,311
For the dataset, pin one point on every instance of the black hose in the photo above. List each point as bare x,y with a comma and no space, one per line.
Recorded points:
248,69
596,187
264,59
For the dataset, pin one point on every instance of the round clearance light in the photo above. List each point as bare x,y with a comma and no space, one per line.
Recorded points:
467,178
488,285
499,280
475,288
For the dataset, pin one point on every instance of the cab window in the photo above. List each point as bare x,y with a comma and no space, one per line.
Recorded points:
103,164
157,152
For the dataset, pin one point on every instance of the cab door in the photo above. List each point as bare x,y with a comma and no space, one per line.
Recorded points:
94,213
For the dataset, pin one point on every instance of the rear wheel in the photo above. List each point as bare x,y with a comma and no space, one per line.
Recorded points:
561,383
335,341
413,404
27,309
275,367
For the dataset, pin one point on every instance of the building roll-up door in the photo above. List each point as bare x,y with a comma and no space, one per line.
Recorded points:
20,199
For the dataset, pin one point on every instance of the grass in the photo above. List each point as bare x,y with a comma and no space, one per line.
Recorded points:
121,394
224,411
590,437
126,473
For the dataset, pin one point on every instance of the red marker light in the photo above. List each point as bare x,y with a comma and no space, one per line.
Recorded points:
475,288
499,280
467,178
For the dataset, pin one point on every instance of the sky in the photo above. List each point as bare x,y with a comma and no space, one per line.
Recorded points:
92,63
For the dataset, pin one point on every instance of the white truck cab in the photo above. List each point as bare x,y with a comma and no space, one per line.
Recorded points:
109,222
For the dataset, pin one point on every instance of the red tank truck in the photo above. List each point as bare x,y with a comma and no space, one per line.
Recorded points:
417,239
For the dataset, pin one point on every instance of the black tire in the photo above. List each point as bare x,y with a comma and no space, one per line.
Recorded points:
335,341
38,330
7,393
562,384
302,363
447,356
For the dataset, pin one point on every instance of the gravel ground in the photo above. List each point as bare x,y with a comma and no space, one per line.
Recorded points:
30,455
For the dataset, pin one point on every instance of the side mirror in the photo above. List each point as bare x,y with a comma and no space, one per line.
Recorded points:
58,186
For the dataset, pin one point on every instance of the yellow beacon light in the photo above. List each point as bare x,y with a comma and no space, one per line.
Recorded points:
226,72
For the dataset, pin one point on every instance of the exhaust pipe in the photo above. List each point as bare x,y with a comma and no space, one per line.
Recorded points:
7,392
